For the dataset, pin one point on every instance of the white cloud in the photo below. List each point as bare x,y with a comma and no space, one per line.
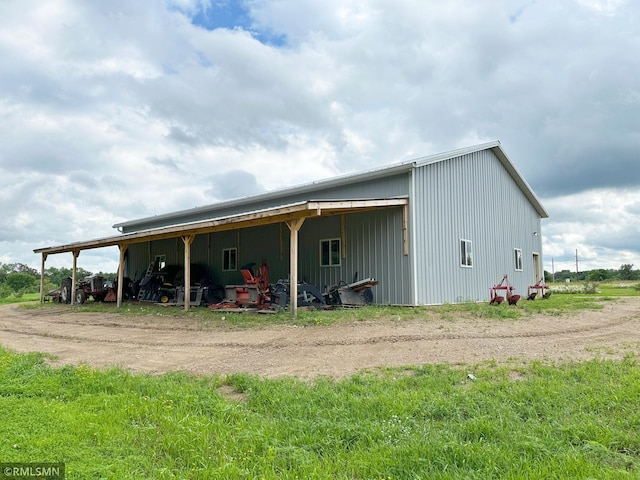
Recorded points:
602,225
117,110
606,7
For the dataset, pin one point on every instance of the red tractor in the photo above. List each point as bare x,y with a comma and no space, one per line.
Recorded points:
92,286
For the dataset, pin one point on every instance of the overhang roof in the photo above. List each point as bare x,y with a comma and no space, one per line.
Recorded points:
386,171
284,213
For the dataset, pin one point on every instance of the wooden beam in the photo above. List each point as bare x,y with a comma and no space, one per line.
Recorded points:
188,240
405,235
294,226
123,250
74,276
245,220
356,204
44,259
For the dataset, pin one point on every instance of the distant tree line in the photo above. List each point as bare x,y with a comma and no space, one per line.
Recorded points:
624,273
17,278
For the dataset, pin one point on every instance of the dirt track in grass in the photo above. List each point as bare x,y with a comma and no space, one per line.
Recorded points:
160,344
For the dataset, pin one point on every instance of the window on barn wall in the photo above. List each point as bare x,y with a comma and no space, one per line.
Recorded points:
330,252
229,259
466,253
518,258
160,262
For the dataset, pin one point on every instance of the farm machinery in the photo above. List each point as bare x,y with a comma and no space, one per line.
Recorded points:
166,285
354,293
538,288
496,299
258,293
532,292
91,286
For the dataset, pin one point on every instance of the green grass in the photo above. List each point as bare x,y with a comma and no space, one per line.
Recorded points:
575,420
616,288
578,420
620,289
27,297
205,318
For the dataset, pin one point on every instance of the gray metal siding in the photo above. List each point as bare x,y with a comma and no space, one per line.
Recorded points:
373,247
270,243
137,260
474,198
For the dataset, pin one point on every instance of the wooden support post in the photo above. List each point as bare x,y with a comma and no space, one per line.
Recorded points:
74,276
44,259
123,250
405,222
188,240
294,226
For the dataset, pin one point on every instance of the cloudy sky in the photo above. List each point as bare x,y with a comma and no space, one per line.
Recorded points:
112,110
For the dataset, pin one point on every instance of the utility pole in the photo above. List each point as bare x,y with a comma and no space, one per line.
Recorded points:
553,272
577,279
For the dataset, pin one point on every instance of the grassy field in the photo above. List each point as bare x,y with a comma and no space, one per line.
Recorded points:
27,297
542,420
620,289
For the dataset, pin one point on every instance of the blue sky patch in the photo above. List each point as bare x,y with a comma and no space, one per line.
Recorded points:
233,14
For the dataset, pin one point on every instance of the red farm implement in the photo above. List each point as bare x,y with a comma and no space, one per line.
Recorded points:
255,293
538,288
496,299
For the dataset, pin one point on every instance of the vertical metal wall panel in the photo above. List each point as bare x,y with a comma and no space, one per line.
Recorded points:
374,248
471,197
200,255
253,245
137,260
391,186
264,243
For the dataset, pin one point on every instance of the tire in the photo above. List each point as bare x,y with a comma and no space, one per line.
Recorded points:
81,297
65,290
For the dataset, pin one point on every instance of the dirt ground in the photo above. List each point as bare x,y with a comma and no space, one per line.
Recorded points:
160,344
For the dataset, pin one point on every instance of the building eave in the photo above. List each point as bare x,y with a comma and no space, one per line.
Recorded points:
305,189
283,213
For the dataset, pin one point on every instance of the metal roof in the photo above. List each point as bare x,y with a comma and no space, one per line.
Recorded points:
346,179
283,213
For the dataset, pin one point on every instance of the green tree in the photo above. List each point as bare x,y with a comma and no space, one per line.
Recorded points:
22,268
627,272
55,275
598,275
5,291
7,269
20,282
